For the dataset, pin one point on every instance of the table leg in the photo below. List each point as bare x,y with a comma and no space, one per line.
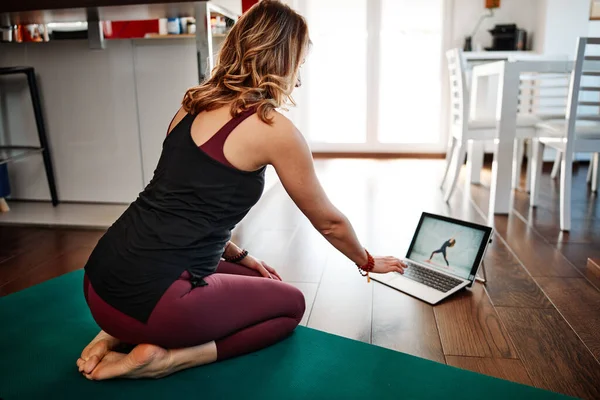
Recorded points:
517,163
594,169
474,161
500,191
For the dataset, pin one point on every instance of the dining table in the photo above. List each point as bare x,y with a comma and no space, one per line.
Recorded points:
507,76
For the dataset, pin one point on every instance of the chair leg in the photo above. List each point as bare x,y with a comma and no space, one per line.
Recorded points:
594,170
566,175
588,178
458,159
529,167
556,165
475,153
449,153
517,163
536,167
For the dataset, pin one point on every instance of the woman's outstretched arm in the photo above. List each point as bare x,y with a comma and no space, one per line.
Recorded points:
288,152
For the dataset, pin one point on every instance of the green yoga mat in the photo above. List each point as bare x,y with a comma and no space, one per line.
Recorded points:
43,330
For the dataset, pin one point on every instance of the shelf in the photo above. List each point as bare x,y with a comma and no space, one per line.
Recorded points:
12,153
159,36
181,36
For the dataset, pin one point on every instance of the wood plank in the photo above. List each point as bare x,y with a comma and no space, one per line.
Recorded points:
469,326
508,283
579,304
503,368
64,263
577,254
343,305
49,245
538,256
17,240
594,263
403,323
551,352
298,255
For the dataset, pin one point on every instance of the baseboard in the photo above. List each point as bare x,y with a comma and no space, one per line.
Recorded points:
378,156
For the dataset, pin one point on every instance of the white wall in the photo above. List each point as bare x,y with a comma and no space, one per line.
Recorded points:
235,6
562,21
466,13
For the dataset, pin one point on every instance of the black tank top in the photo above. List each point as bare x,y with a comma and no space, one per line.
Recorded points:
181,221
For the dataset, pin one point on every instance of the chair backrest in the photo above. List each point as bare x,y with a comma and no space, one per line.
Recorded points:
544,94
583,103
459,95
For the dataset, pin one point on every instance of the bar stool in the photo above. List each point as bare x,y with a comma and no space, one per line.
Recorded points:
12,153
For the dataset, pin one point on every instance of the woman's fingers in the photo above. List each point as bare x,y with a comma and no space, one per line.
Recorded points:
273,272
396,265
263,271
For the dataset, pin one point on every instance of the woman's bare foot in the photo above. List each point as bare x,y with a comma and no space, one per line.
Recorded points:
94,352
144,361
150,361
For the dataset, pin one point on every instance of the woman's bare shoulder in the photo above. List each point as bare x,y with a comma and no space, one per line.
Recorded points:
282,127
282,140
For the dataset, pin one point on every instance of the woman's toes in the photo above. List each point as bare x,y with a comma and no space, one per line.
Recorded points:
91,363
144,361
111,366
102,343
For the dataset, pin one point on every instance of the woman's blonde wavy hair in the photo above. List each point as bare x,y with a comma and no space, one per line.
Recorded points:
257,65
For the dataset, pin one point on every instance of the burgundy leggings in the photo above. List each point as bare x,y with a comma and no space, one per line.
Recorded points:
241,311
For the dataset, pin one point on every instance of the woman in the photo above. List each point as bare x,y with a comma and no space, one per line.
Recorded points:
156,278
448,243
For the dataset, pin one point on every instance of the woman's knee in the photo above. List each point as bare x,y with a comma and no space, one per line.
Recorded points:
297,303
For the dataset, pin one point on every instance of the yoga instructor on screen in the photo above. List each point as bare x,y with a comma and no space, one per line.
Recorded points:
448,243
165,278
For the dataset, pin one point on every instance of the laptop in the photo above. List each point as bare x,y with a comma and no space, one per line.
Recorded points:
443,258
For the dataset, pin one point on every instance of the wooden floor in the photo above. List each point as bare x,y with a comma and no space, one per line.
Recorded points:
536,321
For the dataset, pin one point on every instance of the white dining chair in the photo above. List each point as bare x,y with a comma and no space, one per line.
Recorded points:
579,132
543,95
465,130
592,173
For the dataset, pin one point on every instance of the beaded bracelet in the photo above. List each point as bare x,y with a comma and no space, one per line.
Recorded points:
237,258
368,267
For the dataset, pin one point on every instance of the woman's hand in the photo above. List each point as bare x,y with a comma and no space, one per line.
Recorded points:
388,264
261,267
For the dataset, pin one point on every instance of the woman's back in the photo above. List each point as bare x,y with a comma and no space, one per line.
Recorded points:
183,218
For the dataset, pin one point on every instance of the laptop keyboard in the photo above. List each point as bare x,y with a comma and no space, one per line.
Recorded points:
441,282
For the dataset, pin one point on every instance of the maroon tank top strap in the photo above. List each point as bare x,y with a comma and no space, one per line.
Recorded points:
214,146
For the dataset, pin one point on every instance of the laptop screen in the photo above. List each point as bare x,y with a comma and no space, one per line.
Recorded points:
449,245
